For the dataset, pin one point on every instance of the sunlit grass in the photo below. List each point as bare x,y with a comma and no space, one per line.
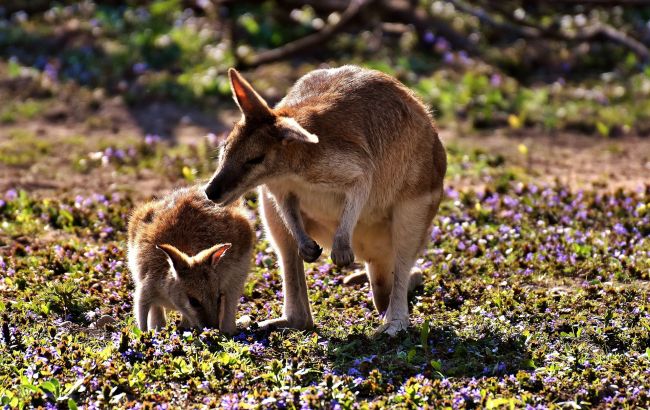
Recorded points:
531,293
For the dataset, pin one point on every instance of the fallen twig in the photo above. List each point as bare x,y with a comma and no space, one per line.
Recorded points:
309,41
589,33
423,22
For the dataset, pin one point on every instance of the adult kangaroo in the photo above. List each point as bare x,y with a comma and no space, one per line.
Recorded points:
350,159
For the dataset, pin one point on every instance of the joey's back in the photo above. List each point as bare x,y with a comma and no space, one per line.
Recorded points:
191,223
190,255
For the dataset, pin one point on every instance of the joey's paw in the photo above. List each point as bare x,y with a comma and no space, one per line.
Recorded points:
244,322
355,278
229,329
416,279
342,254
309,250
391,328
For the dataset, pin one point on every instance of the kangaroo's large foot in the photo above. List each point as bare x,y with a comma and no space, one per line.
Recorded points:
356,278
416,279
392,328
284,323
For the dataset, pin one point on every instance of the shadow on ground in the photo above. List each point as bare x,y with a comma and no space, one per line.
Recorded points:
441,353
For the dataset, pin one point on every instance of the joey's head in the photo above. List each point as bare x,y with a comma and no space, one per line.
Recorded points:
197,288
257,148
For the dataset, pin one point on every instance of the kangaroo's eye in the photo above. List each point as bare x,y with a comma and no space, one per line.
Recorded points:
194,302
255,160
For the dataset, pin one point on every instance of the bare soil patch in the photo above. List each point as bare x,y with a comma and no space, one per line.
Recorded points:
579,161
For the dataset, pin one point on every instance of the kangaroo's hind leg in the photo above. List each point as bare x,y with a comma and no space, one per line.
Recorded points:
381,282
411,224
416,278
375,245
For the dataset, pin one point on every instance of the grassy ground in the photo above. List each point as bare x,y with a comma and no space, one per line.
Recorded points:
536,293
536,290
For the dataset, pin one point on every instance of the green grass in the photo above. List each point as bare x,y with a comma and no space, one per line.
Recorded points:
20,110
23,148
533,295
163,51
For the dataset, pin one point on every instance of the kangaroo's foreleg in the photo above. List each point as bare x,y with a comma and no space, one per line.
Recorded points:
355,200
289,207
156,319
141,306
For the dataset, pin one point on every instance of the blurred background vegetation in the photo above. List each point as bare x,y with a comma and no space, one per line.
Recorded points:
562,65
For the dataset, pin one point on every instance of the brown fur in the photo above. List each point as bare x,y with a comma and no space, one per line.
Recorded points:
350,160
176,251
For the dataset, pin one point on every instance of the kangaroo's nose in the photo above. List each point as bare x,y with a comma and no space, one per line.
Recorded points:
213,192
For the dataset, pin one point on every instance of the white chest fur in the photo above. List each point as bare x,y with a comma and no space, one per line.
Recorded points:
322,202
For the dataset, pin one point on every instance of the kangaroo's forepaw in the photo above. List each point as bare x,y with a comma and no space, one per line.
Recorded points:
392,328
342,254
309,250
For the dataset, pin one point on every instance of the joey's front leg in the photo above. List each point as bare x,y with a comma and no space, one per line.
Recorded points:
228,311
355,200
156,318
308,249
141,306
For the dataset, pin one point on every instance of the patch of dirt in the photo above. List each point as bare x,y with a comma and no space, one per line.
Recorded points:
54,173
577,160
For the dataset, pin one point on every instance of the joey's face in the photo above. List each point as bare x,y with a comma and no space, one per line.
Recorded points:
198,286
198,296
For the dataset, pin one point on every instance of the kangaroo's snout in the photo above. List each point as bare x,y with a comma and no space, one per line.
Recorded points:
223,186
214,192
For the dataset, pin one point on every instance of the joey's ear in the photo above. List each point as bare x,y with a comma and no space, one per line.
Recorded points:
213,254
251,104
291,130
177,258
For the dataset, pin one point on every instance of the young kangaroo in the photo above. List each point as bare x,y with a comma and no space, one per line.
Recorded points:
349,158
187,254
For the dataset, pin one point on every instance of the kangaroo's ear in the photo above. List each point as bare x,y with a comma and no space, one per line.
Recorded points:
176,258
251,104
212,255
291,130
